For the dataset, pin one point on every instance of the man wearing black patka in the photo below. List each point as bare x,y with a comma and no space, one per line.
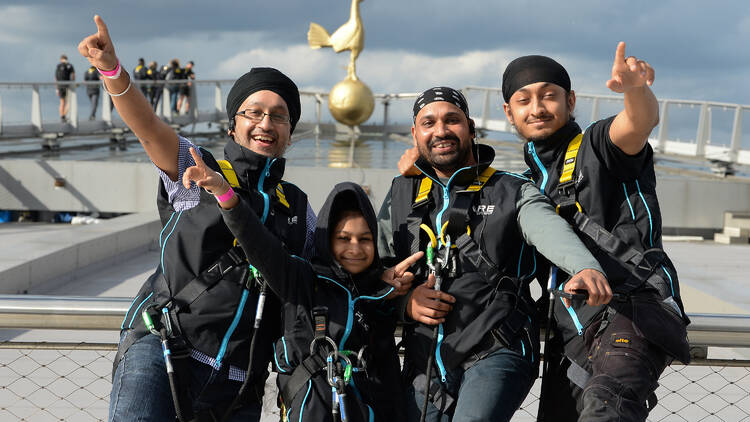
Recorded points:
602,181
471,322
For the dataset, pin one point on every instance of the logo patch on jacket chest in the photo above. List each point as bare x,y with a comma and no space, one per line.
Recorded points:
484,209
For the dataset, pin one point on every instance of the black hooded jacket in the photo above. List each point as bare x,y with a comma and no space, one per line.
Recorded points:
357,315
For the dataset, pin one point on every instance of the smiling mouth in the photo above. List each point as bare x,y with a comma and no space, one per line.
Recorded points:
443,145
263,139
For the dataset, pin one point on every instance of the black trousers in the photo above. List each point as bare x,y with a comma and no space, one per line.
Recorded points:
624,371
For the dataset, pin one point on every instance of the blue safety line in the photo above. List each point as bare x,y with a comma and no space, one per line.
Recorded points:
163,247
232,327
165,226
538,162
276,359
650,222
573,315
138,309
650,232
371,417
350,312
261,179
627,198
128,312
302,407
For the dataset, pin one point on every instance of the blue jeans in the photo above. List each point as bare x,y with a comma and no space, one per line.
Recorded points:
173,96
491,390
141,392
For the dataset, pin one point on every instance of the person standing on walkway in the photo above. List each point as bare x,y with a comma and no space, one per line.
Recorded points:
602,181
64,72
92,91
185,89
139,74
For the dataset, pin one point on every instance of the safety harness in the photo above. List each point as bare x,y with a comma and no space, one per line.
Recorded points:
461,247
643,266
325,358
158,317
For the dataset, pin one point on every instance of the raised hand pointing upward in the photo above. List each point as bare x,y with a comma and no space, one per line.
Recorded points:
629,72
98,48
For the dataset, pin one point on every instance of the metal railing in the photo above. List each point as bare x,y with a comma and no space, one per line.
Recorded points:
703,129
70,380
37,123
706,142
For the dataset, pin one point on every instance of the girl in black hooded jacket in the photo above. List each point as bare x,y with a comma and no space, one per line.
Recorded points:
337,356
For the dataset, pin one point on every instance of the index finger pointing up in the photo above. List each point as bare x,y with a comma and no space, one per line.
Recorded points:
197,158
620,53
101,27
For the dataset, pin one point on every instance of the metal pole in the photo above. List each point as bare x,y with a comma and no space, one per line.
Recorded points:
595,109
106,110
663,126
486,109
36,108
736,134
701,136
73,98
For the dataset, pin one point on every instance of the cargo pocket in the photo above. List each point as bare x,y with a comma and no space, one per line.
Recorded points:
662,326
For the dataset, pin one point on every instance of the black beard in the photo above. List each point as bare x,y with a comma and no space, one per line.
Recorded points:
458,161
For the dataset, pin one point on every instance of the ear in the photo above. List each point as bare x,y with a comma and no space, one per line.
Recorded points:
414,135
472,128
508,114
572,101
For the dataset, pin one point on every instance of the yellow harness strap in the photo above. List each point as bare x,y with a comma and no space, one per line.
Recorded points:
229,173
570,159
479,182
281,197
425,186
424,190
231,177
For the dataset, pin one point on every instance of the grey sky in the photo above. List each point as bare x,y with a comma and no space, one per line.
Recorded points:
699,49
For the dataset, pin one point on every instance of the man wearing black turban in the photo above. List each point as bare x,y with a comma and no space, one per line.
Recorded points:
201,298
609,357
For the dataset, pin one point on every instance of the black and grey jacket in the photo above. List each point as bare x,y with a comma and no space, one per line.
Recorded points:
353,309
504,214
618,192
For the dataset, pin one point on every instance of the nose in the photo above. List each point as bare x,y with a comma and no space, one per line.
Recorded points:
440,129
265,122
537,107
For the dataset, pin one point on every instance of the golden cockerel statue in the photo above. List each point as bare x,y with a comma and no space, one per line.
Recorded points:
350,36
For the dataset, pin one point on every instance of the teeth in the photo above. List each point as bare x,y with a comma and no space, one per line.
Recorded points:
263,138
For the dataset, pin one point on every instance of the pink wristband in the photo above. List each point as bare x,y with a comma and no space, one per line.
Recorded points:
226,196
112,74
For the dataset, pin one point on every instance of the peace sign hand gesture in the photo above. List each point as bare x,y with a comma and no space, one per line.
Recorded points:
628,73
204,176
98,48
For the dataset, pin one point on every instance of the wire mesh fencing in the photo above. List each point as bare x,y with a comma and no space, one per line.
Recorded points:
71,382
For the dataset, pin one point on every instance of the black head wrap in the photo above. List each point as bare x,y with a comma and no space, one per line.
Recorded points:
441,93
259,79
532,69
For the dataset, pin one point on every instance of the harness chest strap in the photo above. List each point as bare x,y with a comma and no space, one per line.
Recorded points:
461,205
231,176
605,240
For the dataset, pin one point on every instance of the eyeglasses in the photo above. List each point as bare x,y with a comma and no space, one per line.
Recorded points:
257,116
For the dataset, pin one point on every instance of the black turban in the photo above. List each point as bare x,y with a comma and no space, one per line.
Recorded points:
264,78
441,93
532,69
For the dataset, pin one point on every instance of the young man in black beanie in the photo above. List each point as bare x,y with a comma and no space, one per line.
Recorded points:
602,180
198,307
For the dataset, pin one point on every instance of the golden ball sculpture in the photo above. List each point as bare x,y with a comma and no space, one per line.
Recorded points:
351,102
